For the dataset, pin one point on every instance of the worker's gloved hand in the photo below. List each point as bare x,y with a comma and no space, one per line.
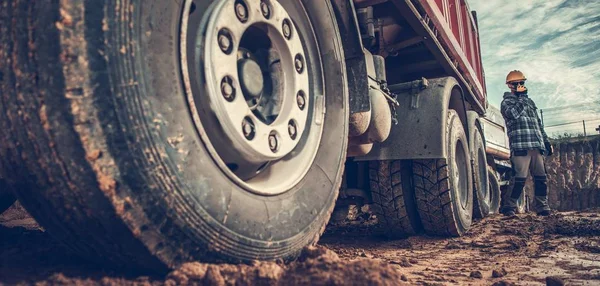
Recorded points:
549,148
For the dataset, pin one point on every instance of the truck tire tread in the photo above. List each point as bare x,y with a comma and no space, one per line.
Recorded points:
432,192
391,200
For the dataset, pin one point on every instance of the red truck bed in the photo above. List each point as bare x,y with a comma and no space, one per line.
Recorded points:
458,33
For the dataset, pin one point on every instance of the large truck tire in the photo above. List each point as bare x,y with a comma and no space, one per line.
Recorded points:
7,198
495,192
443,187
482,194
123,139
393,198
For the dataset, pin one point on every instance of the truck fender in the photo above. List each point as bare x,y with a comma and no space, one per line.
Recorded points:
421,129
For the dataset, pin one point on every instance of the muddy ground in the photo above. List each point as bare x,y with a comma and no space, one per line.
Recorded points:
528,250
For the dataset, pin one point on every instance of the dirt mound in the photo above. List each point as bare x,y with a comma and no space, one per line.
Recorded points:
316,266
579,225
29,255
32,257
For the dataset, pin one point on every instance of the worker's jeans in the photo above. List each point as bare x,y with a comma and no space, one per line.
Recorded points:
523,162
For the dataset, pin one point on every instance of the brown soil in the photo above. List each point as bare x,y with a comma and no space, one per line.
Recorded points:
523,251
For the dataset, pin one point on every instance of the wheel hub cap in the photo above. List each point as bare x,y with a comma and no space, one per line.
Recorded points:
249,89
271,140
251,78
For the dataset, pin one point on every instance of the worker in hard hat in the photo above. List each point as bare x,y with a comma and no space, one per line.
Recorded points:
528,144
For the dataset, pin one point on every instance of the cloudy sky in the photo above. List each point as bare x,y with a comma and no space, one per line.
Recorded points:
556,43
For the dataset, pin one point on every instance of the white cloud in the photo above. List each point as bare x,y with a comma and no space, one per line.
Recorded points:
555,43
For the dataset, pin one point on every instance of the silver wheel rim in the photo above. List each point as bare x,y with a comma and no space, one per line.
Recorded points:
266,155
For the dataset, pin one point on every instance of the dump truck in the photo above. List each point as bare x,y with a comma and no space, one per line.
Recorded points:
146,134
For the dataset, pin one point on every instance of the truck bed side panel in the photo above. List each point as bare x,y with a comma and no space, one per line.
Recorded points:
457,32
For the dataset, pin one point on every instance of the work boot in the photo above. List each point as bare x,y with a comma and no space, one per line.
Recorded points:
544,213
541,196
541,205
509,213
510,207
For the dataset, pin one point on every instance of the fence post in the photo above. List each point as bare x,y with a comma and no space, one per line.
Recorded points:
542,112
584,133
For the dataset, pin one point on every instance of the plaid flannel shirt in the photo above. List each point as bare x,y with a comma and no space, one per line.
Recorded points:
524,126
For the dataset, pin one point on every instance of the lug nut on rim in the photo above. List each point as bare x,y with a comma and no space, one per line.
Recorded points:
292,129
227,89
225,41
241,12
273,142
248,128
264,8
299,64
300,100
287,29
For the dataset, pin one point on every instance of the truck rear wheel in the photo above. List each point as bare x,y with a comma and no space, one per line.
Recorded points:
393,198
145,134
443,187
495,193
482,192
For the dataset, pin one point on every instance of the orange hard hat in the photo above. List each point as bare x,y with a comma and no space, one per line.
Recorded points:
515,76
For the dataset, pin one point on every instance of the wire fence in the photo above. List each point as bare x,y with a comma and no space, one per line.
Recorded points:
572,120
